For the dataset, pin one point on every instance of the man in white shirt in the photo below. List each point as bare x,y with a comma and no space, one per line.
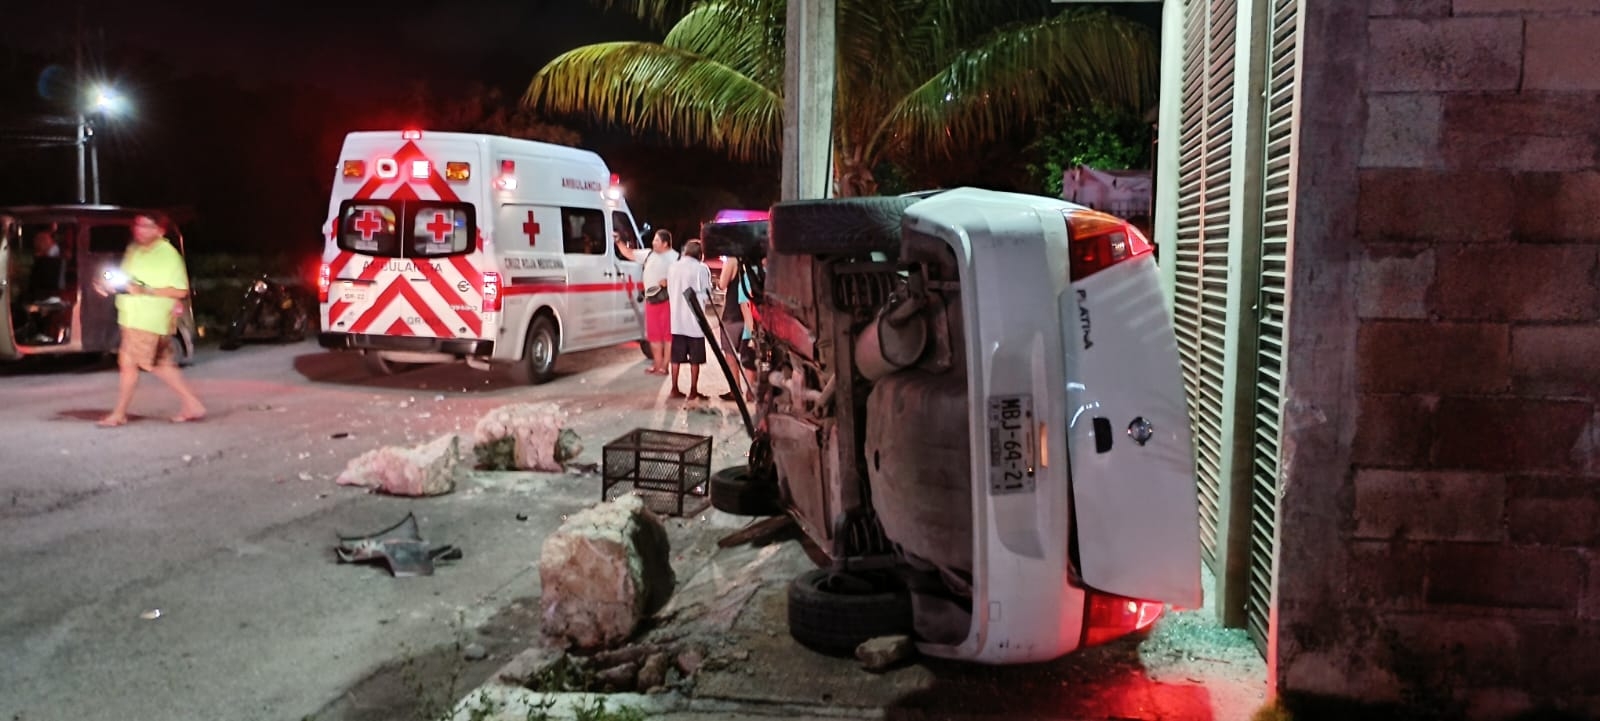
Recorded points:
688,341
657,315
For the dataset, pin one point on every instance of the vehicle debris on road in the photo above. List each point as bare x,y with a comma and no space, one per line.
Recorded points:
399,547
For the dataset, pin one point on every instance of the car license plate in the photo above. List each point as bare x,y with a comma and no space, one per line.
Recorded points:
351,293
1013,452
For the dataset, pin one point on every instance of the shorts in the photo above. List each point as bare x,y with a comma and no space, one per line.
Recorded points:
688,349
144,349
658,322
733,337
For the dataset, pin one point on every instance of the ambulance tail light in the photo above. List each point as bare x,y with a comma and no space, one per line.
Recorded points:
387,168
1097,241
411,134
355,168
1108,617
491,292
324,281
457,171
420,169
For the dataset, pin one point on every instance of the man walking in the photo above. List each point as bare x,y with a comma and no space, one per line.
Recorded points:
156,281
688,341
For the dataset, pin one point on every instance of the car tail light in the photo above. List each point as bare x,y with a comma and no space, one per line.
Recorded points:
491,292
355,168
323,282
1111,617
1098,241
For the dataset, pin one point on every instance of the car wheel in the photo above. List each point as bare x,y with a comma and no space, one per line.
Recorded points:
734,491
183,347
649,355
839,226
834,612
538,363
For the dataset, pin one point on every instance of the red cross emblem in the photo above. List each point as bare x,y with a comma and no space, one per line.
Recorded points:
368,224
439,228
530,228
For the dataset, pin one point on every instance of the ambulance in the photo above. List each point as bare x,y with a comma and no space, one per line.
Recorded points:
491,250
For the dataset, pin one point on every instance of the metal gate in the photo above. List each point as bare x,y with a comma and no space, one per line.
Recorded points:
1201,265
1282,73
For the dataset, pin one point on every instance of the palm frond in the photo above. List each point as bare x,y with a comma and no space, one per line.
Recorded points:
1076,58
686,97
724,32
656,13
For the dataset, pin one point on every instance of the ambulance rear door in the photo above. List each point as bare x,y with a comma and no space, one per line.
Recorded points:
407,254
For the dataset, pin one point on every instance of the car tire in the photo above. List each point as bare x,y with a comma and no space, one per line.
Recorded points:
834,612
734,491
183,348
538,362
841,226
649,355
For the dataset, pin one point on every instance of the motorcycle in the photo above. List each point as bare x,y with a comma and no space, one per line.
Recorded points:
270,311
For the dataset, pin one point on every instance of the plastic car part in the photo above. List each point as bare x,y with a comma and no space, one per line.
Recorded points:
832,612
399,547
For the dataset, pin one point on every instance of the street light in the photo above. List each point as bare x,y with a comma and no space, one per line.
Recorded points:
103,101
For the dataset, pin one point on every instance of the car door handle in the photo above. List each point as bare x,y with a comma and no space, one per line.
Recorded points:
1102,435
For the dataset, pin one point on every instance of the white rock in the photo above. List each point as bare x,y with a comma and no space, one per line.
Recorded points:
536,432
426,470
602,572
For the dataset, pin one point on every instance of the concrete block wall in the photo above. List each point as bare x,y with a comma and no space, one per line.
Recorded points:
1440,544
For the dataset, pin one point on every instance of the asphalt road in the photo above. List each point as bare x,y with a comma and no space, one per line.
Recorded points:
226,527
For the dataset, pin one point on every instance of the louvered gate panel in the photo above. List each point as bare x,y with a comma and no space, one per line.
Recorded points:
1188,267
1282,73
1210,439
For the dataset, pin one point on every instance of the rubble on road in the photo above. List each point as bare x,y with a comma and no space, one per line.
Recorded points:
429,469
602,572
525,436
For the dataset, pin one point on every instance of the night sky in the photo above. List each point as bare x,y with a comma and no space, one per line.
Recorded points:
238,108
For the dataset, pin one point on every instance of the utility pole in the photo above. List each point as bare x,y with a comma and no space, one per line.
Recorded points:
77,104
808,79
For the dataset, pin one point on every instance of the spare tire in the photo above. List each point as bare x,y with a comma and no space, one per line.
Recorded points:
834,612
734,491
841,226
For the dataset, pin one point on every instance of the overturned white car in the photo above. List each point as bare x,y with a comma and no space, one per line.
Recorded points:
971,402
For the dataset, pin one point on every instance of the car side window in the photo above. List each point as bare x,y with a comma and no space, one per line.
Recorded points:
583,231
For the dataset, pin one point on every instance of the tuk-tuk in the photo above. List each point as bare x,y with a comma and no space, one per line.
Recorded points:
50,257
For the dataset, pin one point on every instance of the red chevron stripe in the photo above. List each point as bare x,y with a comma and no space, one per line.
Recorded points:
440,330
451,297
399,327
372,312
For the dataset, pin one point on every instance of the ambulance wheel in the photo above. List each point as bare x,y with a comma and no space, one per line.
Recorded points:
833,612
538,362
839,225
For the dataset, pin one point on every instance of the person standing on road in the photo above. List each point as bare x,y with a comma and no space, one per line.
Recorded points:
146,315
733,313
688,341
657,309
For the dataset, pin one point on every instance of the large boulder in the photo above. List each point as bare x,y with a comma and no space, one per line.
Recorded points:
602,572
426,470
525,436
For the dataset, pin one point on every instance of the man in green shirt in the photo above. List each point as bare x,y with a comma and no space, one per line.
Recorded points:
156,282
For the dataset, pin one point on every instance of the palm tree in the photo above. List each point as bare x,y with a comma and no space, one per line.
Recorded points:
916,78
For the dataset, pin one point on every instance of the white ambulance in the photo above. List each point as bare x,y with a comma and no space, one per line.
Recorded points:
456,246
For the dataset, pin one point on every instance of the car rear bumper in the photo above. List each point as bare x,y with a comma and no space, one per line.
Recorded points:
367,341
